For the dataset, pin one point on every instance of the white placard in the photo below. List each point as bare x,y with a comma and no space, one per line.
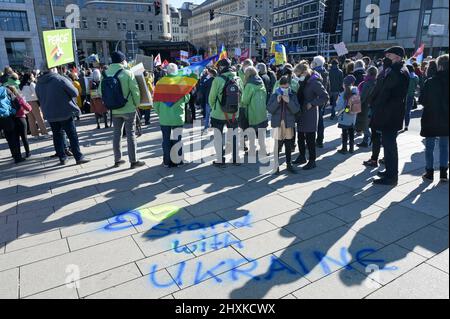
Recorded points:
340,48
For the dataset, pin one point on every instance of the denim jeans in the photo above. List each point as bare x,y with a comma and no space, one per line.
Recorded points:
333,99
219,140
409,106
320,126
129,120
207,116
7,125
430,143
58,129
169,141
367,136
389,141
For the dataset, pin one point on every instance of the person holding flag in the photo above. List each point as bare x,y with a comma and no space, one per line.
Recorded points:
170,105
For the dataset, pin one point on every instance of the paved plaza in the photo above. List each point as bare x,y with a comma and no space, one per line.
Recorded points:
93,231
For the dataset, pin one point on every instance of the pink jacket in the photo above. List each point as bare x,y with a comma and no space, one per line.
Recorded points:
25,108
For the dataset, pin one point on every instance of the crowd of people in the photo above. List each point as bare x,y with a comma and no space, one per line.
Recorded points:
368,98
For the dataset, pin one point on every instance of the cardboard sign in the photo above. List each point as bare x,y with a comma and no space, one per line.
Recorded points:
147,61
58,46
340,48
146,97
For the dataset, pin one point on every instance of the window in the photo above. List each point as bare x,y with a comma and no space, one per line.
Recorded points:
13,21
44,21
392,32
428,6
102,23
84,23
355,31
15,50
13,1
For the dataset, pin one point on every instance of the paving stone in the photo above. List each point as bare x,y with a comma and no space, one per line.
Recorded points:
34,277
391,224
267,243
442,223
388,263
9,289
322,255
319,207
314,226
289,217
426,242
62,292
163,260
33,254
97,237
8,232
342,284
423,282
428,207
249,281
33,241
440,261
199,269
139,288
108,279
354,211
253,230
315,193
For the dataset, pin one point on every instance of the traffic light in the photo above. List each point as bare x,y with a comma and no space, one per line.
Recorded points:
331,16
211,15
157,7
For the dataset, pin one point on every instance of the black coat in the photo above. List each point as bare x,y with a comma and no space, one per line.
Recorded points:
267,85
359,75
336,79
434,98
388,101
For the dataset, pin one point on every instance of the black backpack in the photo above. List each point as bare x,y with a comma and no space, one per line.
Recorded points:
112,95
231,96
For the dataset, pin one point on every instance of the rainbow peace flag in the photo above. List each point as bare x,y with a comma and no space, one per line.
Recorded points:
223,53
170,89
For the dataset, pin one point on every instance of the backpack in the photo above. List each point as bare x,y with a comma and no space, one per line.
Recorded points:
354,103
231,96
112,95
6,107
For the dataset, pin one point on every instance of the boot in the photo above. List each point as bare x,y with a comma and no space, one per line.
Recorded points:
444,175
429,175
301,159
291,169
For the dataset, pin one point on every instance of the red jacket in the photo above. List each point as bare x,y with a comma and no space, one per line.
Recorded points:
24,109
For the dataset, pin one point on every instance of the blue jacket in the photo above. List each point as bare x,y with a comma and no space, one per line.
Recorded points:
57,97
345,120
6,108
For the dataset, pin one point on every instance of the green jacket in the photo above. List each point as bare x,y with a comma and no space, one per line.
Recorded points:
11,82
254,100
172,115
130,89
294,86
241,75
215,96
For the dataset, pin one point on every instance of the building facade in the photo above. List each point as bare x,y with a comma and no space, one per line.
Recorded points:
402,22
18,34
297,24
233,32
104,27
179,21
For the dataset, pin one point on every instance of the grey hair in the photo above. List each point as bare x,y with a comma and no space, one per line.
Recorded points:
172,68
360,64
250,71
247,63
262,68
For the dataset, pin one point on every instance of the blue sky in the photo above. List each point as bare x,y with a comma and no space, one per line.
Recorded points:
178,3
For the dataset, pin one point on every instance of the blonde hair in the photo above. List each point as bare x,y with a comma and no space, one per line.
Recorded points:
301,67
249,72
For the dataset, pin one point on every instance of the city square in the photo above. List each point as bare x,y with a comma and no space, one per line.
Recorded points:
131,188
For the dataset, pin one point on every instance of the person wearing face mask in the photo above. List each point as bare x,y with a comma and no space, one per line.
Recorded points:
388,110
126,115
318,66
311,95
283,105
